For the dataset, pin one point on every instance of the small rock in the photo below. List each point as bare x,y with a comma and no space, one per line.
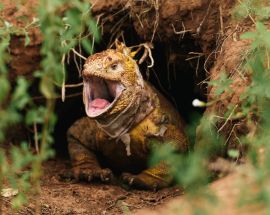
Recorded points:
9,192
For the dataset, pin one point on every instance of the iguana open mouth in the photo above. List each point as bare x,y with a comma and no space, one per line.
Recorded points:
100,95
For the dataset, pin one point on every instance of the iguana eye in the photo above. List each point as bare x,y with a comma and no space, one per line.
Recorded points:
114,66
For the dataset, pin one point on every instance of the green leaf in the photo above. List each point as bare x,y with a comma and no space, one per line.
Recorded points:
87,46
4,88
74,20
260,27
249,35
20,96
35,115
241,11
94,29
46,88
19,200
27,38
222,84
263,13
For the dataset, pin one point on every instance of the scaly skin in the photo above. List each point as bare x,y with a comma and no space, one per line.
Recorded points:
89,144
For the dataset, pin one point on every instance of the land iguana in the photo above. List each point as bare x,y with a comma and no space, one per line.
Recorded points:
125,114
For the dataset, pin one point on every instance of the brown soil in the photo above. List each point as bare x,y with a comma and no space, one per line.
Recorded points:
226,193
230,64
72,198
24,59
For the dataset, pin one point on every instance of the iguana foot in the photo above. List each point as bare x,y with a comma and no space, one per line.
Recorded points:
144,181
66,175
89,174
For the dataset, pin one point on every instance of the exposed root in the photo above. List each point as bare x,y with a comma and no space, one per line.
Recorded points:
156,6
74,85
228,119
128,51
198,30
183,32
63,90
78,54
35,98
36,137
147,53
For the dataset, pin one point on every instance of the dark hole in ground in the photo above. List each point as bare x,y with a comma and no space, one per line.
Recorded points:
172,75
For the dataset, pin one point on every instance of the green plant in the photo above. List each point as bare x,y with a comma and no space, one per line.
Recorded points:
256,100
62,31
255,9
190,170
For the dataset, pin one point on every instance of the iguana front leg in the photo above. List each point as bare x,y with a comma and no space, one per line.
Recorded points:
158,177
153,178
81,146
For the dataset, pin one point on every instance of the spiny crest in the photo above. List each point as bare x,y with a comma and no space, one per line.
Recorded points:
127,51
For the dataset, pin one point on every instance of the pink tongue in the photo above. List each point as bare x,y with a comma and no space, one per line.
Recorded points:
99,103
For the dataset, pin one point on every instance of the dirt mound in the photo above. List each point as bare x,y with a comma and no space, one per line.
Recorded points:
24,58
230,59
226,195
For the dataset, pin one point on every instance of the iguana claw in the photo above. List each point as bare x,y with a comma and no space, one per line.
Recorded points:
104,175
142,181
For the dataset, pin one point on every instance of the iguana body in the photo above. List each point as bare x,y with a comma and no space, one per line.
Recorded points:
125,115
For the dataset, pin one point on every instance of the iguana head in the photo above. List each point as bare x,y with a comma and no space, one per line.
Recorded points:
111,81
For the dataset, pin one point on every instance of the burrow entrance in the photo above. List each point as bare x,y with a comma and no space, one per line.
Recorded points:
178,73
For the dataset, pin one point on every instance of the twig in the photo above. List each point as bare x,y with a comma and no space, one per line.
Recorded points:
228,118
57,97
36,137
147,52
197,66
232,131
76,63
181,32
147,47
156,5
268,60
198,55
207,12
63,89
74,85
240,2
77,53
138,17
221,20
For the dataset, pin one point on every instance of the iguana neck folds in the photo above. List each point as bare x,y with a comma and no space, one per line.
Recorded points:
139,107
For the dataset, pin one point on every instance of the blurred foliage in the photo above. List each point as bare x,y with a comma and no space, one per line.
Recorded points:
258,9
190,171
64,26
257,100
